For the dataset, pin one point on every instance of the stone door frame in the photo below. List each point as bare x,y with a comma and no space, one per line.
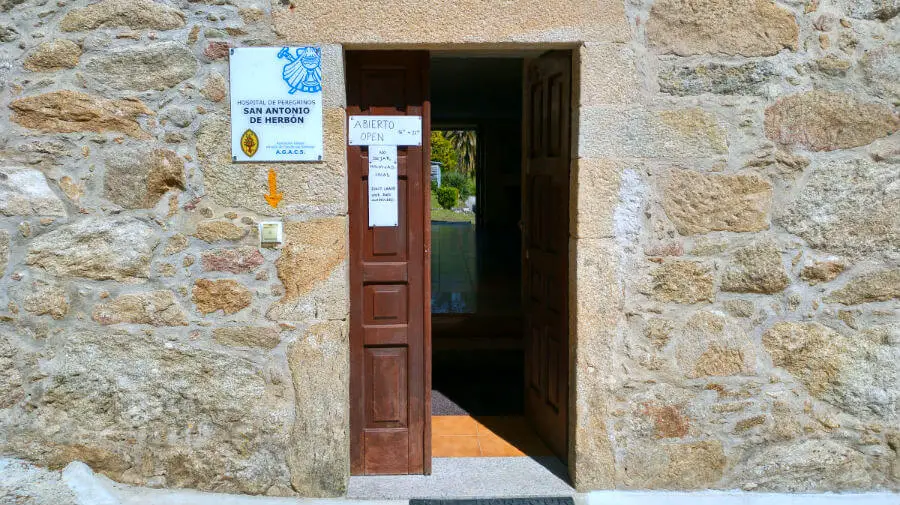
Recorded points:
578,446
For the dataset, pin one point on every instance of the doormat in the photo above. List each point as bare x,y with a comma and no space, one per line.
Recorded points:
552,500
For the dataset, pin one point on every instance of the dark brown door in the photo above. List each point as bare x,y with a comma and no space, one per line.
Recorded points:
545,213
389,280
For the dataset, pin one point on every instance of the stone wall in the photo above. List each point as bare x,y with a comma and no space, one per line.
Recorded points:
142,329
757,234
734,241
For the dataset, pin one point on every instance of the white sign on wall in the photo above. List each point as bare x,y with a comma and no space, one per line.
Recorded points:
383,134
385,131
276,104
383,208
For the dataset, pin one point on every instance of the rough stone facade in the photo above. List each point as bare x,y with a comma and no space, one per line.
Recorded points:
735,241
134,333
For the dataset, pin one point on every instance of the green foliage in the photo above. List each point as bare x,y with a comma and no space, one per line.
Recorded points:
447,196
464,142
434,186
442,150
439,213
465,185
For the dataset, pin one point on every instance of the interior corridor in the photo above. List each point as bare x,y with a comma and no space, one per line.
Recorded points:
477,324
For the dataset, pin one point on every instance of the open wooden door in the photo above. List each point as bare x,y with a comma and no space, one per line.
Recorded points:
390,278
545,235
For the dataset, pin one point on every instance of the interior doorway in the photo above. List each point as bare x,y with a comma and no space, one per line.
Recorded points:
478,401
485,372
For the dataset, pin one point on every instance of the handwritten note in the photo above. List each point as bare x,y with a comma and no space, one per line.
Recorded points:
383,208
385,131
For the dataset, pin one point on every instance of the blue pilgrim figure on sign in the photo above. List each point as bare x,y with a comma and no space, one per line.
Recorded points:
303,72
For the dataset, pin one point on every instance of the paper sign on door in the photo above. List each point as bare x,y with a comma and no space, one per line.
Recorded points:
383,208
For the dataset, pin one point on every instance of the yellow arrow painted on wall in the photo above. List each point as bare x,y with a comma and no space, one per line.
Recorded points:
273,197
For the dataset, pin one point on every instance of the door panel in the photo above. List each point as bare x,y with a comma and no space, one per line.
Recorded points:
385,304
387,393
545,212
389,278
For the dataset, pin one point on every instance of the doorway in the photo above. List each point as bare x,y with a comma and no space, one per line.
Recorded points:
460,348
477,320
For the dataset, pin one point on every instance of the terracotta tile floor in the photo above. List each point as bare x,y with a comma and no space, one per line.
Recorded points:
484,436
